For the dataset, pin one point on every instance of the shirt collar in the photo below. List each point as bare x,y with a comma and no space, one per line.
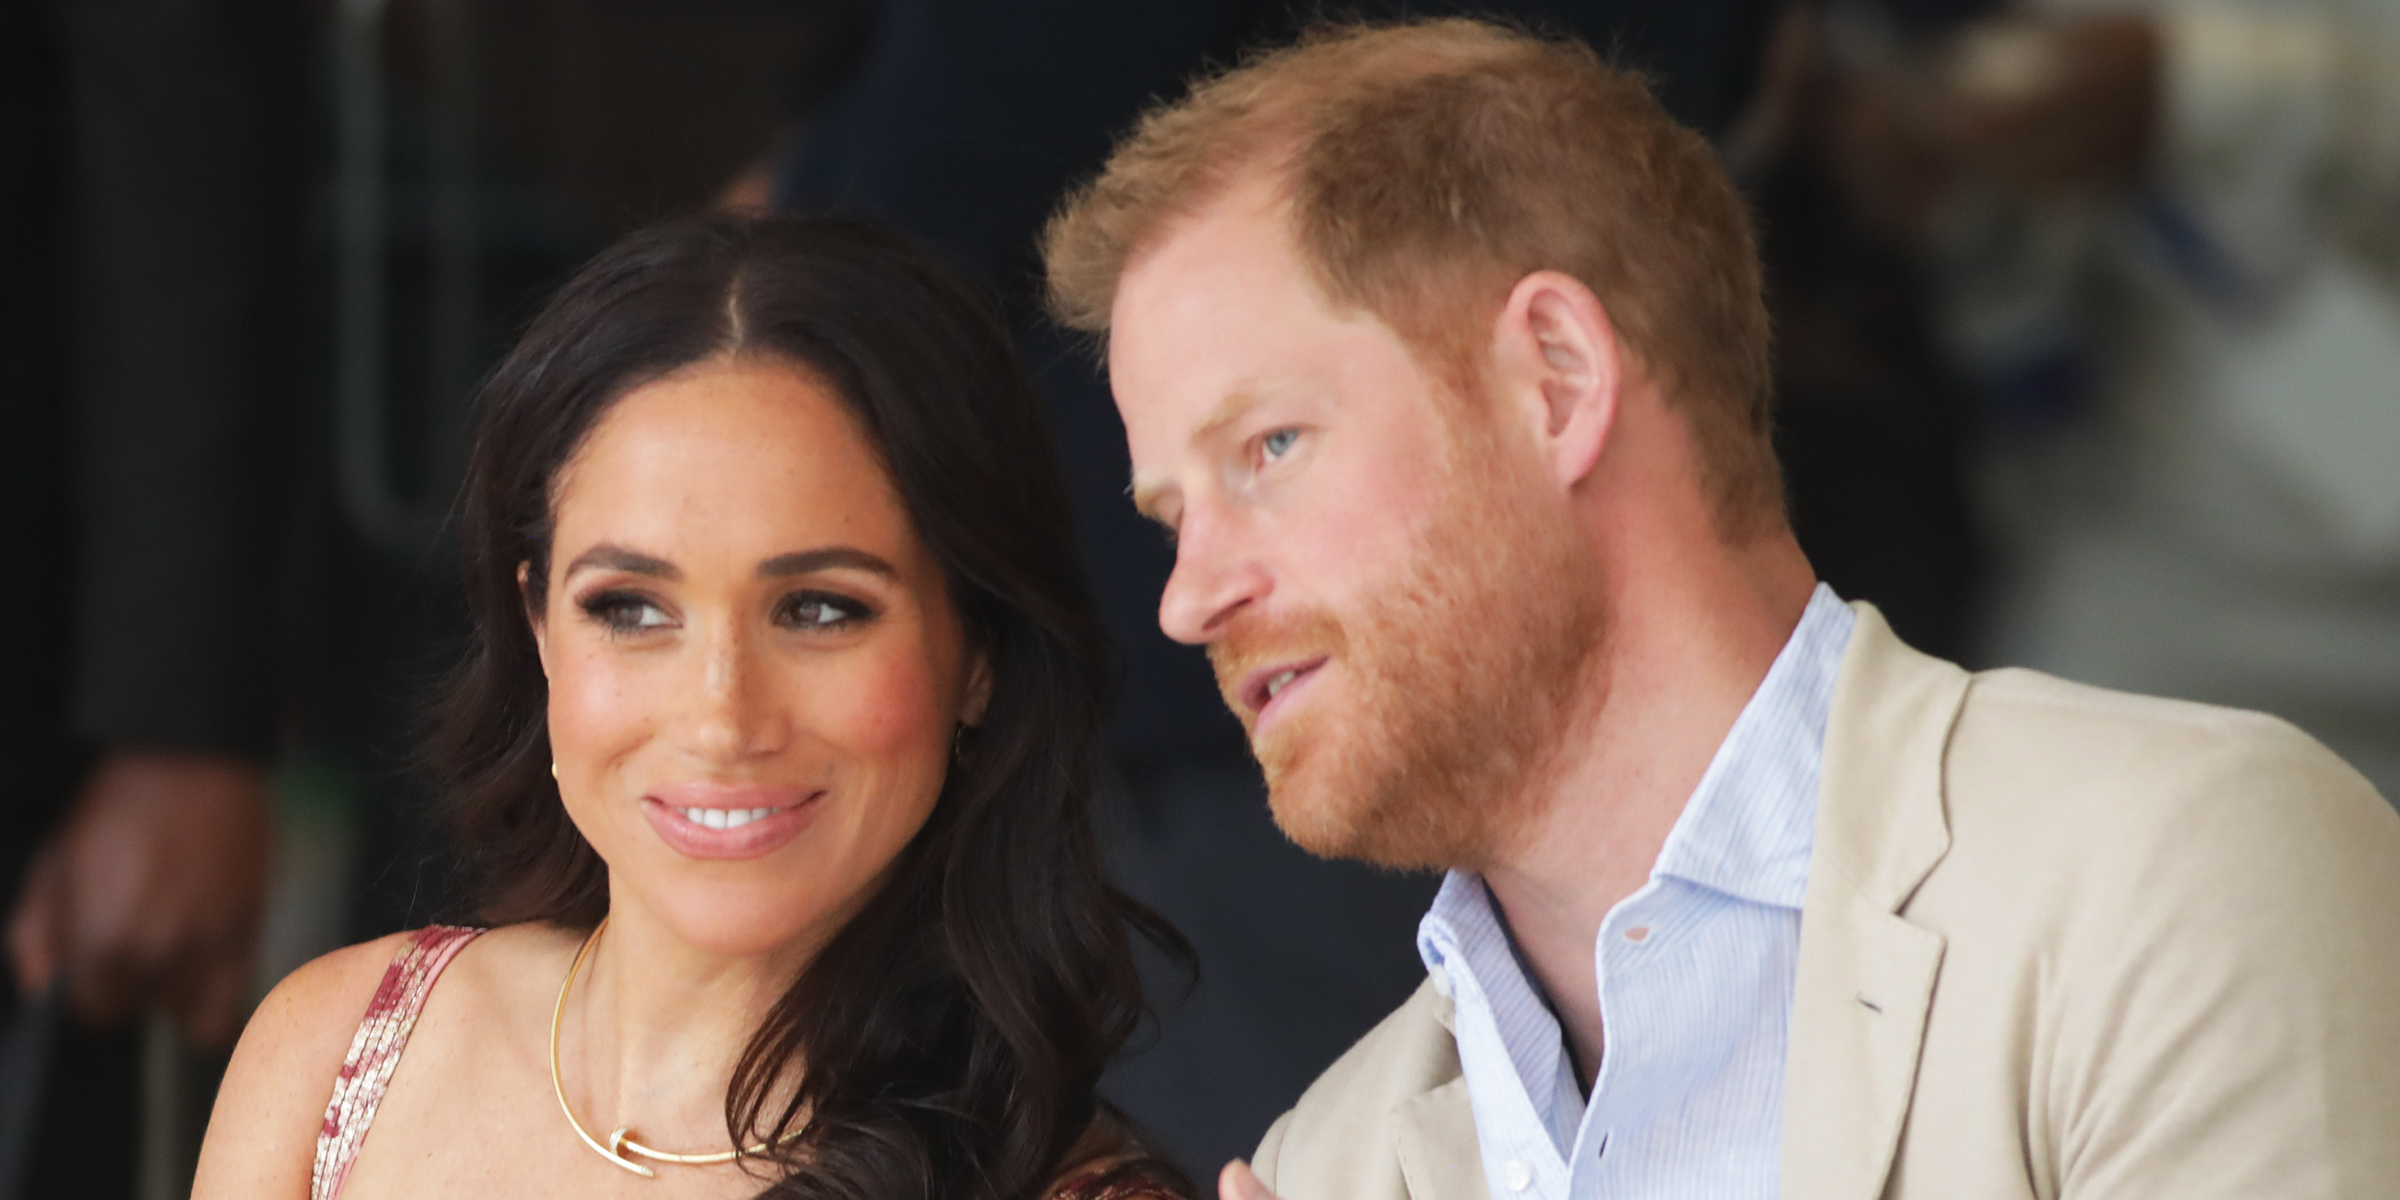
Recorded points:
1750,826
1747,830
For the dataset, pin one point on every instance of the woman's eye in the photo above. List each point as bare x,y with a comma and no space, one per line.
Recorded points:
821,610
621,612
1275,444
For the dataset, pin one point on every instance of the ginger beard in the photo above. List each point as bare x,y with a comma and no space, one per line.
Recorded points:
1459,682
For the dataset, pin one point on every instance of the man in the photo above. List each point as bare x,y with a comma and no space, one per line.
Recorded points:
962,126
1441,349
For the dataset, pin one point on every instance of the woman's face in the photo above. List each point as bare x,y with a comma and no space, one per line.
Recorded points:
755,671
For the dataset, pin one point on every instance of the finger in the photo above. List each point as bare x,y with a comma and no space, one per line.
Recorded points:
210,1014
114,974
1238,1182
32,929
105,990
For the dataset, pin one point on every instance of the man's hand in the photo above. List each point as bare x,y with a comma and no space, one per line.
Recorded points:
1238,1182
150,894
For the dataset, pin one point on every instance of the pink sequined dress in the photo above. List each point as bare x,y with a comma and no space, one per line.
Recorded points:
1125,1173
375,1050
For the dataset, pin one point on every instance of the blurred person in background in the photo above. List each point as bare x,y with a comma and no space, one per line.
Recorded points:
2164,240
145,326
964,124
1875,423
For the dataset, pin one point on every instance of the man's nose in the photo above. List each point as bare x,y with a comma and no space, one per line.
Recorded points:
1214,578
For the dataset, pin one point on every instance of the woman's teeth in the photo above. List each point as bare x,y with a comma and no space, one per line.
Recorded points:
724,818
1276,684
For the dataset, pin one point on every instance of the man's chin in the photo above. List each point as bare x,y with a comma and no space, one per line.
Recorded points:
1333,821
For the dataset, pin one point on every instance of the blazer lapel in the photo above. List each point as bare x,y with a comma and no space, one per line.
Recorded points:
1439,1157
1866,975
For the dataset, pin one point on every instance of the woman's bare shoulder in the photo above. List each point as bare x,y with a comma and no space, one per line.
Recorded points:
262,1134
512,963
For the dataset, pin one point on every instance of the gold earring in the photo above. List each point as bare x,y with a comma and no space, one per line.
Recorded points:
554,768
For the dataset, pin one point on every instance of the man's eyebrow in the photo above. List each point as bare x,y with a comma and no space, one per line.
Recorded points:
807,562
613,557
1227,411
1147,493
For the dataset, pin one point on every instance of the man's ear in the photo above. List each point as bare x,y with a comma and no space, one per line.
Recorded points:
979,689
533,615
1558,362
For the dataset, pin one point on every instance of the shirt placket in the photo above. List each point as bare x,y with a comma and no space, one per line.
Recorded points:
1631,933
1524,1163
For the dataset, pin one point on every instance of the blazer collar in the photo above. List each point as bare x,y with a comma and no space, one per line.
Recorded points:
1866,976
1439,1156
1434,1129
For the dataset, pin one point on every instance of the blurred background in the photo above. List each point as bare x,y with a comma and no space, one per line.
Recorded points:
2088,324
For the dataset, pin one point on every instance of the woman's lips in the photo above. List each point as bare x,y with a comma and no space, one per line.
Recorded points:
705,820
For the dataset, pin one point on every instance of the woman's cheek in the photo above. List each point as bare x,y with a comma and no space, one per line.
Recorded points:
885,710
595,710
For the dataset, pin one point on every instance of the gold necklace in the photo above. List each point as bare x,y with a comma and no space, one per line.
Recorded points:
620,1142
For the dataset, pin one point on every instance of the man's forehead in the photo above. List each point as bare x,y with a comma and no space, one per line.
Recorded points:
1209,306
1237,234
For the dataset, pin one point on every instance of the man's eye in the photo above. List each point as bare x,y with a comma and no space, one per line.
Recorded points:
1275,444
821,610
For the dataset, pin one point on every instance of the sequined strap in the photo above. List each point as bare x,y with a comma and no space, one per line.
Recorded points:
1133,1179
376,1048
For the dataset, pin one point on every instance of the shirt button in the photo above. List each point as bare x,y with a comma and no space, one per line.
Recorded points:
1639,933
1441,982
1519,1176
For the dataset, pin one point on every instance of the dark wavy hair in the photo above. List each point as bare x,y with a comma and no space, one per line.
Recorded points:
954,1030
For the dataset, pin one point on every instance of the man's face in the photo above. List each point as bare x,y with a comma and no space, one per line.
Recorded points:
1396,604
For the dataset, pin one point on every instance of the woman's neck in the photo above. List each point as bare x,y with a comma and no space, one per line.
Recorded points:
654,1026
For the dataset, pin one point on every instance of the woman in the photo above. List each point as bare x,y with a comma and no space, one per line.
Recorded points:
776,745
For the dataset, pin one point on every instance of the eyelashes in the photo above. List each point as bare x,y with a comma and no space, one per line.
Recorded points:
816,610
625,614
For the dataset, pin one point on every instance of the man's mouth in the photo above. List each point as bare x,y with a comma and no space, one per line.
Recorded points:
1265,685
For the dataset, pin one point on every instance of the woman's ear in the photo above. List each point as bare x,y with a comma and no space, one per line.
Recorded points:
533,615
979,689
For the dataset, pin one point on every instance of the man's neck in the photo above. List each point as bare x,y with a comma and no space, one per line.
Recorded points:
1688,646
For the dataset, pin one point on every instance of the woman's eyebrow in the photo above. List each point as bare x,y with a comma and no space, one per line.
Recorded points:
614,557
809,561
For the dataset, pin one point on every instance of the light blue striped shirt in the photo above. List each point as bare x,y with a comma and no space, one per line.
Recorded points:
1695,973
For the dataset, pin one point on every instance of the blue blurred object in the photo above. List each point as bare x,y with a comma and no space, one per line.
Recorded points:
24,1072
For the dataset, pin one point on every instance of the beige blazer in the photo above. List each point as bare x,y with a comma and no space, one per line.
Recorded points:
2058,942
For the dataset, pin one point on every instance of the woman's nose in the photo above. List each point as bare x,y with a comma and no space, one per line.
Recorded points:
731,714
